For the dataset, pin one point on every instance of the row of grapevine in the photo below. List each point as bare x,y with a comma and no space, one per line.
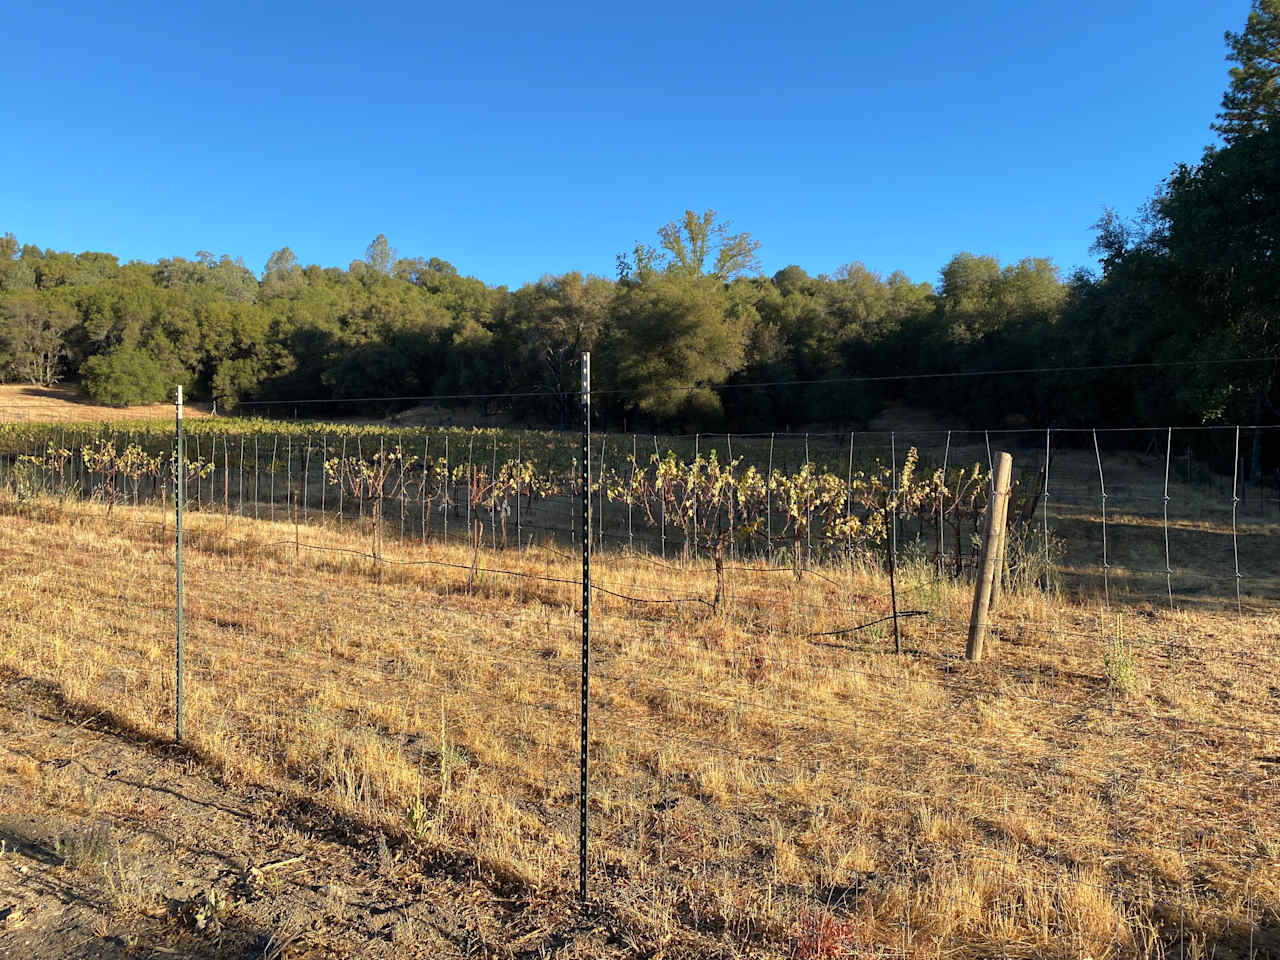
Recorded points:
691,504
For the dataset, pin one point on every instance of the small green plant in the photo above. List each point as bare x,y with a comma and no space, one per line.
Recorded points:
1118,662
418,817
27,480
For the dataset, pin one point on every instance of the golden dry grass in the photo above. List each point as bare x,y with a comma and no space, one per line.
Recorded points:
756,790
26,403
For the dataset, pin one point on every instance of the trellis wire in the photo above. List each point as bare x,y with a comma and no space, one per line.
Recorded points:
1235,505
257,469
768,509
1102,484
271,468
288,471
1047,558
942,527
808,511
662,506
697,440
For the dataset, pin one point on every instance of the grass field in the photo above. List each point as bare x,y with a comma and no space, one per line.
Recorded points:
1104,785
24,403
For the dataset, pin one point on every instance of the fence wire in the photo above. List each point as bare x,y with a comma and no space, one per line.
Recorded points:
390,619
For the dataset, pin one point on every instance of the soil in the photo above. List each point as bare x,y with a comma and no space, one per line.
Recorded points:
114,846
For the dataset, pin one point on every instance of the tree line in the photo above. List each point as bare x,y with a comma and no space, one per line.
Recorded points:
686,324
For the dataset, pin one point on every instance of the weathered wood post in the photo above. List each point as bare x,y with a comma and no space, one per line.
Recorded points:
1002,542
996,515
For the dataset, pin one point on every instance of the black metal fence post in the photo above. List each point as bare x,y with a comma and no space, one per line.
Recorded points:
179,491
586,623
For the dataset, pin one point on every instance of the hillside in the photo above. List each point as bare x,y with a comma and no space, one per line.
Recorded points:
65,403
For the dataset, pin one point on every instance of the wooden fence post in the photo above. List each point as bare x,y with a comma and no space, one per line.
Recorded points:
1002,542
996,515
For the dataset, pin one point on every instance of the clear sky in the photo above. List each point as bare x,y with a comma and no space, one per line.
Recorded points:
533,138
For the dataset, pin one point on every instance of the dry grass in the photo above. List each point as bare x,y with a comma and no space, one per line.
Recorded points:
756,789
66,404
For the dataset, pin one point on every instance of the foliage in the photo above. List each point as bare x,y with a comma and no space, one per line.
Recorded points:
123,376
373,478
1251,103
1118,662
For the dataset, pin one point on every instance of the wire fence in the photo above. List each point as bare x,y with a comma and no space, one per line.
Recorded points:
392,621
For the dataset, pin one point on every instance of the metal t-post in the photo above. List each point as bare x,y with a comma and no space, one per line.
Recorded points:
179,489
586,622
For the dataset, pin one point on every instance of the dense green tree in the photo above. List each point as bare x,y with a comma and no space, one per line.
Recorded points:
33,328
125,375
15,275
673,337
282,277
1251,103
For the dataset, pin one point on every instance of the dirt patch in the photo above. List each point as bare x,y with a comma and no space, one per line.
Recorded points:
117,847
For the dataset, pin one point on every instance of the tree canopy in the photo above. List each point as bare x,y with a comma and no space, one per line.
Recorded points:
1251,103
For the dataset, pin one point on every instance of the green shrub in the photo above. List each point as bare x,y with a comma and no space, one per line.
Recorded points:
124,376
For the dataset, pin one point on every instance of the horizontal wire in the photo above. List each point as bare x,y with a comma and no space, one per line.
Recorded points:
549,393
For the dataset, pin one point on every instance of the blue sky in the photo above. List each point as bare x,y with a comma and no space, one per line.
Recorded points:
526,139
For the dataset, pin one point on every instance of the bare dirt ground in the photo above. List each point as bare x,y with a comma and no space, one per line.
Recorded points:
117,846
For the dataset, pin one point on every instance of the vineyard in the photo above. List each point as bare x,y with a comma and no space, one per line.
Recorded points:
790,754
793,499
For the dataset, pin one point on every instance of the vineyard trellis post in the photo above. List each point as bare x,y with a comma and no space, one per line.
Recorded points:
226,484
1102,485
942,543
306,478
256,471
997,510
893,535
586,624
275,447
662,502
1001,544
179,488
697,455
768,505
1045,512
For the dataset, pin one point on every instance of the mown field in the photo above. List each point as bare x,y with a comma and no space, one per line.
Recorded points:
763,784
